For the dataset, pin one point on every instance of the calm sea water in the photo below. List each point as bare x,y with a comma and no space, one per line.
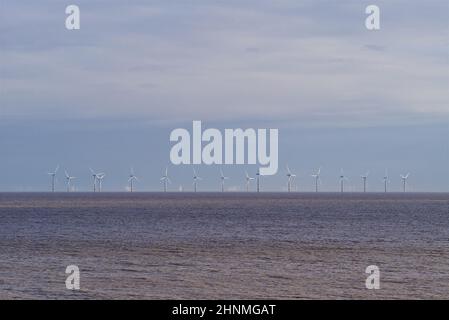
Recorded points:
224,246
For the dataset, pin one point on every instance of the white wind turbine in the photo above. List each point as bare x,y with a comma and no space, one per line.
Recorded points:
364,177
100,178
131,179
290,177
223,178
317,178
343,178
404,180
385,179
69,179
248,180
195,179
95,178
53,177
165,179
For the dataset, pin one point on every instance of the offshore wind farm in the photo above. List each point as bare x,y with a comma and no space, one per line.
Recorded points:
314,179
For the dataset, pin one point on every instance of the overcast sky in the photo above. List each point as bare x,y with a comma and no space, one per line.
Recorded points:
109,94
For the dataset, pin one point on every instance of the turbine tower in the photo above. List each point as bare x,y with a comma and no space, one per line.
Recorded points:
364,177
317,178
165,179
258,180
248,180
53,177
342,181
131,179
404,181
290,177
195,179
385,179
223,178
95,178
69,179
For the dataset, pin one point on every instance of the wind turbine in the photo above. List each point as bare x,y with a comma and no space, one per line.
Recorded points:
131,179
166,179
258,180
100,178
385,179
290,177
364,177
223,178
95,178
248,180
69,178
342,180
195,179
53,177
404,180
317,178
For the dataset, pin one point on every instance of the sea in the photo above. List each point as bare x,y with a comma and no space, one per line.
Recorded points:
224,245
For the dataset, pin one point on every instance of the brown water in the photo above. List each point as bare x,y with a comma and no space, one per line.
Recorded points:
231,246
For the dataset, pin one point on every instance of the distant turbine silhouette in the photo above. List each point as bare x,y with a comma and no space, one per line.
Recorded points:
290,177
343,178
248,180
404,180
364,177
95,178
165,179
258,180
53,177
317,178
69,179
195,179
223,178
100,178
131,179
385,179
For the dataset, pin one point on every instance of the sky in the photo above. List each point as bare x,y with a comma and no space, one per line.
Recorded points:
108,95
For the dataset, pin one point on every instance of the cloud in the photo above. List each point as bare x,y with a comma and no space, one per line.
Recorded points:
304,62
